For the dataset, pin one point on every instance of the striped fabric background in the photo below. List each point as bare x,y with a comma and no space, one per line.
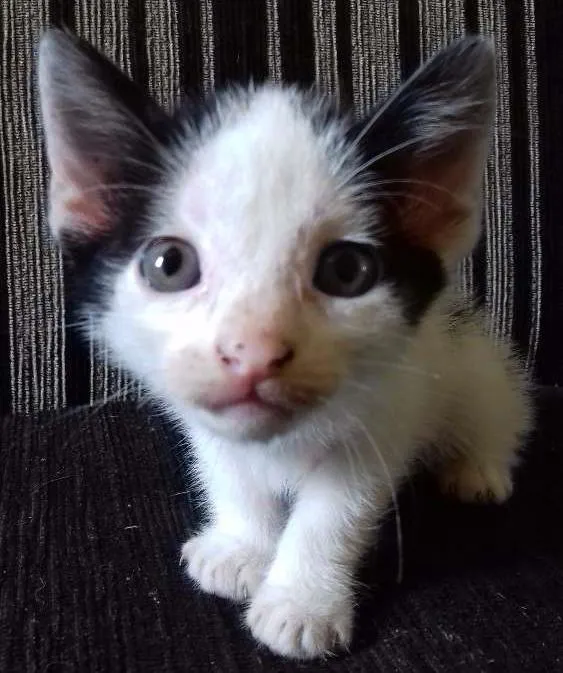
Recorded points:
357,49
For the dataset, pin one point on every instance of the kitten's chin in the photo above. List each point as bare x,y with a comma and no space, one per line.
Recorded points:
247,421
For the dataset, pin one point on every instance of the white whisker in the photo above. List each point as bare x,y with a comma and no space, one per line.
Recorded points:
399,194
122,187
393,491
373,160
413,181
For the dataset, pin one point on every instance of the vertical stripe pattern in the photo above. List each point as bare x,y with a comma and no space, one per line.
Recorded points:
33,371
274,45
326,51
163,51
207,46
440,23
536,256
376,67
498,192
354,49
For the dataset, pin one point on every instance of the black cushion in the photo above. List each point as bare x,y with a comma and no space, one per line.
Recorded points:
94,505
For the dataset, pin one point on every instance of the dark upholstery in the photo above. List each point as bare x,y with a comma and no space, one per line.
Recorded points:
93,501
93,509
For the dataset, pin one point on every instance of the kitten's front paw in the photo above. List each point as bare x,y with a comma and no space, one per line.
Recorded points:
224,565
476,483
293,625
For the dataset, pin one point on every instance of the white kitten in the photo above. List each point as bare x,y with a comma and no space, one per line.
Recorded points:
280,276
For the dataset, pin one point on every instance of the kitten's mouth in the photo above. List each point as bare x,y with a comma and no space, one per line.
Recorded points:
255,412
268,400
250,404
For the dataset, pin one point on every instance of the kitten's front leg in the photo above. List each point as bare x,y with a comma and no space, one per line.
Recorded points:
304,608
230,555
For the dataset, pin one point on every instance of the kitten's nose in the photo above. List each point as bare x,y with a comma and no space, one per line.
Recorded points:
258,357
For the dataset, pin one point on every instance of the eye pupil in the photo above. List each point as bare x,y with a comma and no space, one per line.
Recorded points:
170,262
347,269
346,266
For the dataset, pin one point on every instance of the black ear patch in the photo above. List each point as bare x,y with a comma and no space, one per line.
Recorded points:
102,134
421,154
428,143
71,70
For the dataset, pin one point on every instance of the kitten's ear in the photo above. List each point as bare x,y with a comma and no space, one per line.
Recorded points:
99,130
429,142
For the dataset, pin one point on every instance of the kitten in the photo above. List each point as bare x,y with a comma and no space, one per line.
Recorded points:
280,276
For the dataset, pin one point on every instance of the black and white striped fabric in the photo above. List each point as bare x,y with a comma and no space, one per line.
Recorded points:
356,49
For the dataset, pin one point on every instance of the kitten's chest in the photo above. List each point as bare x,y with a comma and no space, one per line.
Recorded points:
283,470
276,467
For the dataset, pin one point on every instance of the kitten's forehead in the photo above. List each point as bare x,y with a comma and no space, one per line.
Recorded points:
267,169
272,128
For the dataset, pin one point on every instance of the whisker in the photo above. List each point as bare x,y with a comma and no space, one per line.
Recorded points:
152,167
145,134
398,194
122,187
373,160
50,328
413,181
393,491
400,366
369,125
95,406
94,410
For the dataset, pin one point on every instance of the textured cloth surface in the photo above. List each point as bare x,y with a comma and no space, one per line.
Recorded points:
93,505
357,49
93,509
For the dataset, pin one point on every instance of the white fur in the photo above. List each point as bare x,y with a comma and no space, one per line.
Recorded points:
294,502
291,514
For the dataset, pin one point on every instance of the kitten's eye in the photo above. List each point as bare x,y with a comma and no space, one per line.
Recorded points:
170,265
347,269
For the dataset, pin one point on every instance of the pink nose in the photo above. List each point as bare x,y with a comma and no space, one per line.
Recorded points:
258,357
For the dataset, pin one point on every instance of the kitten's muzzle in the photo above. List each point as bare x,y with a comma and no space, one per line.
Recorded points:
257,357
250,359
254,377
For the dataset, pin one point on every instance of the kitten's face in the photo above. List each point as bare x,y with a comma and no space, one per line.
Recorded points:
258,335
245,266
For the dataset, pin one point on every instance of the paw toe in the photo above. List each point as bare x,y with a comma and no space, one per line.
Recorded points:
294,628
477,483
223,566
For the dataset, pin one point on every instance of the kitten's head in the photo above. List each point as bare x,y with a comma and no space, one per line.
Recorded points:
252,256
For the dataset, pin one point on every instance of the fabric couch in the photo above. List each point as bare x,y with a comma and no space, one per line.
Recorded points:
94,501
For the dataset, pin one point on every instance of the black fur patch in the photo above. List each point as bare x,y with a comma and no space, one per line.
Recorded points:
416,273
439,113
93,258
